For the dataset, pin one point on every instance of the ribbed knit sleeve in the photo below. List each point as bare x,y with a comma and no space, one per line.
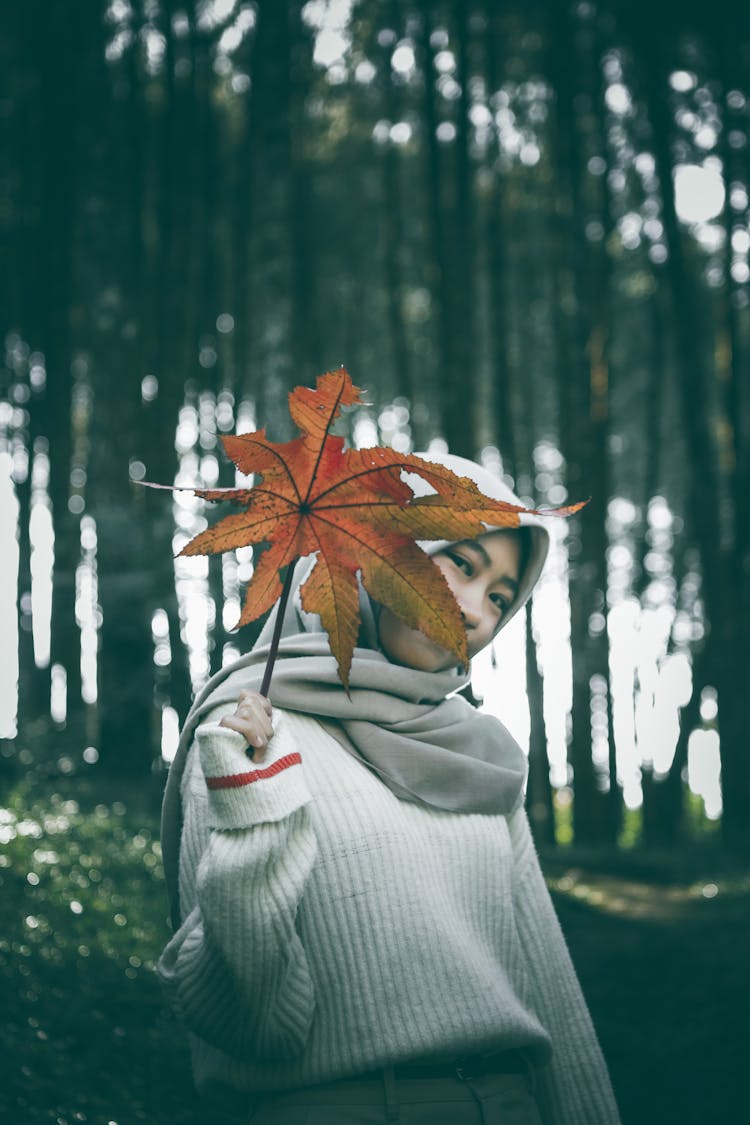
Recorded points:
574,1087
239,941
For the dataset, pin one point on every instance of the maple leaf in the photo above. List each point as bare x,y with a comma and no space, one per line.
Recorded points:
355,512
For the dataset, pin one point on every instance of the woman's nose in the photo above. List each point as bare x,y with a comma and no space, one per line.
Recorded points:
469,616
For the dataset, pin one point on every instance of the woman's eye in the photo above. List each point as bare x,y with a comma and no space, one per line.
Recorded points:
462,563
500,602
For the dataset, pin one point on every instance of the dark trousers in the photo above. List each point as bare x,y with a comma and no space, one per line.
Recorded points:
493,1099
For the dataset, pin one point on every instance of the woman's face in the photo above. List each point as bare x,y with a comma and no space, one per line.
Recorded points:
483,575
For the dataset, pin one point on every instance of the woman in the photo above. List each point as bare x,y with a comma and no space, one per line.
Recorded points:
362,930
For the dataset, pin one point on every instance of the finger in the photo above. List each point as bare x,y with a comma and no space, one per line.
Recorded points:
255,753
254,702
259,730
266,725
247,728
247,696
242,725
253,712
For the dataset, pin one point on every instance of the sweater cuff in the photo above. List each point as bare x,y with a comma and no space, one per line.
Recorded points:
242,793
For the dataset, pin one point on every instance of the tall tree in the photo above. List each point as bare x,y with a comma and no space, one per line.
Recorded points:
496,234
272,362
126,595
436,266
459,396
393,230
704,483
57,317
578,396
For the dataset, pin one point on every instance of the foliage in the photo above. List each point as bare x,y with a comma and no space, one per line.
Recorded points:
84,1029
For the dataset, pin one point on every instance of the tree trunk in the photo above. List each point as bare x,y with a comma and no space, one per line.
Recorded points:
497,233
578,442
55,296
704,482
125,540
436,269
460,405
394,237
539,794
272,177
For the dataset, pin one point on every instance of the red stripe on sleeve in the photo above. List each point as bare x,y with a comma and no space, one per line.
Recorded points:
235,780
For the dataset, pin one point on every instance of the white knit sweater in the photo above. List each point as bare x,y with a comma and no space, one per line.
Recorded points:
330,929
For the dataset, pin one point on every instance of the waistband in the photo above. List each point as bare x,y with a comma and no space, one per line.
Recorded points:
467,1067
417,1081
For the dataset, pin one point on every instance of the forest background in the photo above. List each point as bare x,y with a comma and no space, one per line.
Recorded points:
524,228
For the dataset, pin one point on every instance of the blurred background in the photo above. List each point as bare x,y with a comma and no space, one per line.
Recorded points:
524,229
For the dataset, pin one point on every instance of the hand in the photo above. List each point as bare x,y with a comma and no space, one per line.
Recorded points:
252,720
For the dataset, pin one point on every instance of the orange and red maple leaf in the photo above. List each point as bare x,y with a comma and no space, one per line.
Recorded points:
354,511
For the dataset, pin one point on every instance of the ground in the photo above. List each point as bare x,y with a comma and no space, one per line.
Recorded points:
660,943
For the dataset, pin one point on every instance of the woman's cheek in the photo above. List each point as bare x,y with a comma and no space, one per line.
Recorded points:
443,565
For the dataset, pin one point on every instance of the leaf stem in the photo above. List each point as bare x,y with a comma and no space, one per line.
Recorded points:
277,630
